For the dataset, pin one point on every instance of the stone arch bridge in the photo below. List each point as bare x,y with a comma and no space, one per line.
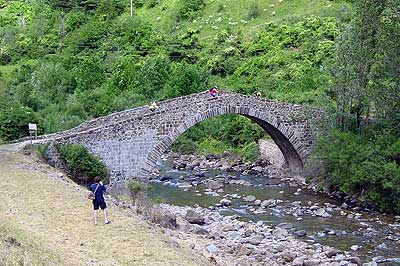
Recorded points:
130,142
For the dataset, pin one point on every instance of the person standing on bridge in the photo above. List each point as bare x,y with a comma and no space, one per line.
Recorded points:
214,91
98,190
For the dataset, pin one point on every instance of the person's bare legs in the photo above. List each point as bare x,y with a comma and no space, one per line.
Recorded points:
95,216
105,217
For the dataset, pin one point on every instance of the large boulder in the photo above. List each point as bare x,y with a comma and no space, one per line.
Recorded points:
163,218
194,218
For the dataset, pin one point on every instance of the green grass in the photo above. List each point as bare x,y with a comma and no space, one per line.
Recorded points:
219,15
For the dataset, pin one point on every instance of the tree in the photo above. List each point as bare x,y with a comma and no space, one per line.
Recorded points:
14,122
366,70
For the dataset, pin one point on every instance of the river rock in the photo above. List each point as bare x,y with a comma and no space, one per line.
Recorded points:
354,248
256,240
320,212
300,233
355,260
199,174
215,184
185,185
335,263
298,262
228,227
285,225
163,218
212,248
234,235
372,263
225,202
257,202
249,198
198,230
311,262
194,218
267,203
332,252
243,250
280,233
165,178
287,256
256,170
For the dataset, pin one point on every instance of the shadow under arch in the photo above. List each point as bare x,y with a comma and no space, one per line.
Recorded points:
284,137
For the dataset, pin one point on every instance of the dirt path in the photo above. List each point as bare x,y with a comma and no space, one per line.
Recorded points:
55,213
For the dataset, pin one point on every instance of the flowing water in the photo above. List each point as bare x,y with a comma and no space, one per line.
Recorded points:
375,234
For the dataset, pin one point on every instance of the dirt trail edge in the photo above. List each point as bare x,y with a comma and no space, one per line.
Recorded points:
55,213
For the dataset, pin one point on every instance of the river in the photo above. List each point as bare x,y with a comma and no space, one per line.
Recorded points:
368,234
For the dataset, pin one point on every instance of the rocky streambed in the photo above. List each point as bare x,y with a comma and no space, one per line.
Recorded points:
255,218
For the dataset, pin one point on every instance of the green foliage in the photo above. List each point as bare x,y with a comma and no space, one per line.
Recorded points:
363,156
75,60
232,133
254,11
136,189
14,122
250,152
189,8
84,165
42,149
185,146
185,79
365,165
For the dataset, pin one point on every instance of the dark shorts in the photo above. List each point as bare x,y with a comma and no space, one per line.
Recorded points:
97,204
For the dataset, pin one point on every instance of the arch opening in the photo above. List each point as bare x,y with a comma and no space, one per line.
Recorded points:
293,160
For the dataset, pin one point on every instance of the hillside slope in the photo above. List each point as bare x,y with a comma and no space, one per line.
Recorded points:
45,220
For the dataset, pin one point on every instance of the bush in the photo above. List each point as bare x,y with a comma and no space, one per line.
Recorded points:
14,122
362,165
84,165
184,145
136,190
42,149
189,8
250,152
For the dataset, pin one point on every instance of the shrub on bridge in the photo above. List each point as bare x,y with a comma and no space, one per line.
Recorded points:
84,166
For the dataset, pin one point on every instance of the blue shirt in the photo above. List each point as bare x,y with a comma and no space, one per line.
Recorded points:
99,195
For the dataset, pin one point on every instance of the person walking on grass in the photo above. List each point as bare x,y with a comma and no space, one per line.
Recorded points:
98,190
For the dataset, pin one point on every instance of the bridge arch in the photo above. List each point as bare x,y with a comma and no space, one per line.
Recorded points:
267,121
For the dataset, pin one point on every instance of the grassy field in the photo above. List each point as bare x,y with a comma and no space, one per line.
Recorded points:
247,16
48,221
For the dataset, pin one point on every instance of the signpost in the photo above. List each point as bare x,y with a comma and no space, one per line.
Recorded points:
32,131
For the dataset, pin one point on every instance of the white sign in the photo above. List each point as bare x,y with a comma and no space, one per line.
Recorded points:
32,127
